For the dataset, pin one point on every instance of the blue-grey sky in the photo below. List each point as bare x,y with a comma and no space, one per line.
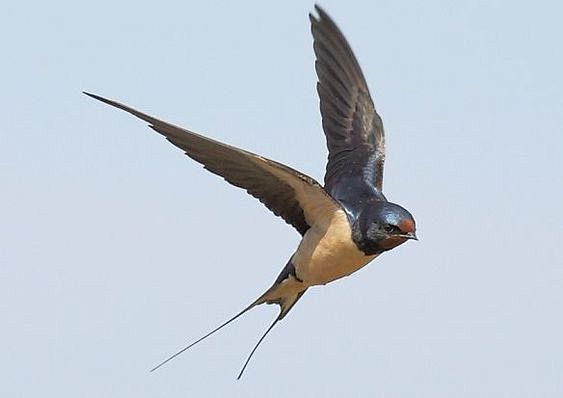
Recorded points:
116,249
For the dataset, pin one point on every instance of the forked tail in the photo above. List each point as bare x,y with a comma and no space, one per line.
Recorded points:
204,337
285,303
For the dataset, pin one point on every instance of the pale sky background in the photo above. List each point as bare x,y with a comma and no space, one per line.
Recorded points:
116,249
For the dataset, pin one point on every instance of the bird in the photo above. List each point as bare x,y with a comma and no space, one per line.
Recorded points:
344,224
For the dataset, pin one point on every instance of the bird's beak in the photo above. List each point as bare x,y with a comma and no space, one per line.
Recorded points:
410,235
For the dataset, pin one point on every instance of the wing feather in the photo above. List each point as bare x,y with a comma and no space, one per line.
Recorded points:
353,129
289,194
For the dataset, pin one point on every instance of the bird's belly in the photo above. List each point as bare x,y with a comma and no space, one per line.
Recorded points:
328,253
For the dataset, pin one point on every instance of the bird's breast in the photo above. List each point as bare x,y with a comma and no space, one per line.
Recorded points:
327,251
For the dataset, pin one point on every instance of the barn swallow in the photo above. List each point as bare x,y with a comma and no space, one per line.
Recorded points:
345,224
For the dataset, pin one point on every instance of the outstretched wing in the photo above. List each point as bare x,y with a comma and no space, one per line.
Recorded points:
353,129
293,196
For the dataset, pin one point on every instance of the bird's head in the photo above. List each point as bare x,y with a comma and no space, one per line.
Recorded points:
381,226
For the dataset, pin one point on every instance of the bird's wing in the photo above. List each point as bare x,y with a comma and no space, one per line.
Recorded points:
295,197
353,129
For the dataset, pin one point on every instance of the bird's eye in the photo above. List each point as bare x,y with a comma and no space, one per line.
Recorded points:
390,228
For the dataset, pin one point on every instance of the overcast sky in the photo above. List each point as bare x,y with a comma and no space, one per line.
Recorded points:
116,249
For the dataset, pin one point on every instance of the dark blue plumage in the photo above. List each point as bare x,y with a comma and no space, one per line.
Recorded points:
345,224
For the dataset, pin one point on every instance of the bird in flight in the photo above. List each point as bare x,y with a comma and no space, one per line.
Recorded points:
345,224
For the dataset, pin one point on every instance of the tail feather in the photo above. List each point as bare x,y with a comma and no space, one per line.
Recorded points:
286,303
205,336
